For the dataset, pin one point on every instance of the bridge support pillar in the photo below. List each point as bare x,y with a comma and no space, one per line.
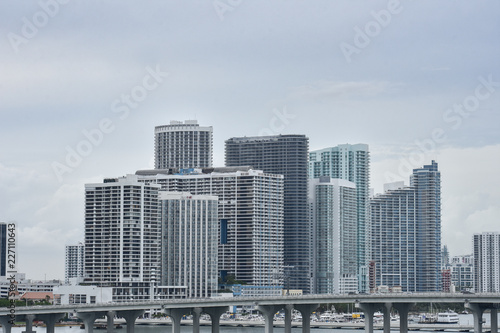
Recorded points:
88,319
268,312
386,310
403,309
215,313
368,309
50,320
494,320
288,318
176,316
110,321
306,310
196,312
130,316
29,323
6,325
477,311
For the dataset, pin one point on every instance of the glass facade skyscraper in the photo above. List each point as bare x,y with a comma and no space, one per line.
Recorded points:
352,163
427,184
285,155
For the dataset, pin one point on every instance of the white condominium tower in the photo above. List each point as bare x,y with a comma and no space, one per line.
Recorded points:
122,231
352,163
75,255
333,215
406,233
183,145
250,212
486,262
189,248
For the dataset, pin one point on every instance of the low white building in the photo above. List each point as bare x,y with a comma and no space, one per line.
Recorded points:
124,292
23,286
66,295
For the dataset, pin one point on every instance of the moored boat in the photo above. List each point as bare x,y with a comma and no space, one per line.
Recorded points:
448,317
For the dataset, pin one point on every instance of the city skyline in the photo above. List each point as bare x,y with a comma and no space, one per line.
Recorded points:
83,86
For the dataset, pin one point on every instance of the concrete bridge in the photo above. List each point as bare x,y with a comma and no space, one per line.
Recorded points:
268,306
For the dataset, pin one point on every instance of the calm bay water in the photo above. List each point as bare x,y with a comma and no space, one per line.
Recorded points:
464,320
186,329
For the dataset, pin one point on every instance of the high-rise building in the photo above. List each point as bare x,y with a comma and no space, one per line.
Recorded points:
183,145
446,283
74,262
406,233
352,163
122,232
334,221
285,155
394,239
427,184
486,247
3,249
462,272
250,211
189,247
445,257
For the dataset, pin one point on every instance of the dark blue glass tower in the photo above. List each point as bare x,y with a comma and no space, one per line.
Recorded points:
286,155
3,249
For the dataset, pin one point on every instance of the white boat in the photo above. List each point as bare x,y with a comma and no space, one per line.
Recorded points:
448,317
330,317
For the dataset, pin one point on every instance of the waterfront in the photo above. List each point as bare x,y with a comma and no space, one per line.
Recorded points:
464,320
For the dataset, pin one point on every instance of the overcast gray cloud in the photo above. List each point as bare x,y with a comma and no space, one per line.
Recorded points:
414,80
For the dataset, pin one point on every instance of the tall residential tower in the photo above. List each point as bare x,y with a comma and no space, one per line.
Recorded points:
406,233
250,212
189,247
183,145
122,232
486,262
74,265
285,155
351,163
333,215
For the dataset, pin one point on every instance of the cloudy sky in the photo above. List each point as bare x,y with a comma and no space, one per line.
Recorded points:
83,83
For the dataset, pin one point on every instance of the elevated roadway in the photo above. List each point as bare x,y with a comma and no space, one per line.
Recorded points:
268,306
